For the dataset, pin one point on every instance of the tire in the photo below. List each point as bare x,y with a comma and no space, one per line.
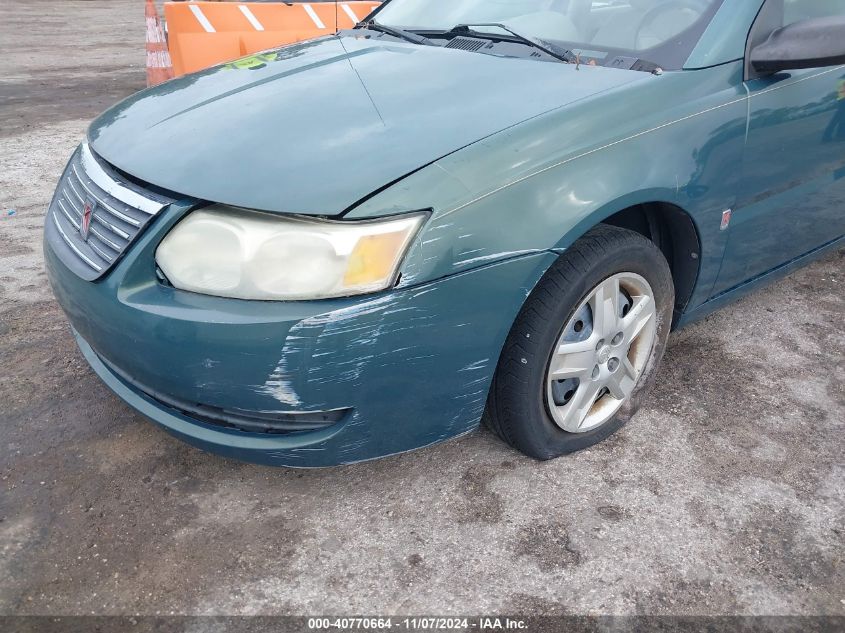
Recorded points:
524,406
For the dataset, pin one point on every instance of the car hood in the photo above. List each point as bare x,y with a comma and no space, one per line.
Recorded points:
316,127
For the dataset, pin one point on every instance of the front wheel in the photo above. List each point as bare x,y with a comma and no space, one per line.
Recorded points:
585,345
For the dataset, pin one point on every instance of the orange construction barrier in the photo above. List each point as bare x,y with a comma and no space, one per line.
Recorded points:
159,66
202,34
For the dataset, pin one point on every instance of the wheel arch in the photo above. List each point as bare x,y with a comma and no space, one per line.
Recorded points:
666,224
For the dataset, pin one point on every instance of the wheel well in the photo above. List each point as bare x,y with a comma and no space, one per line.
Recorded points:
674,232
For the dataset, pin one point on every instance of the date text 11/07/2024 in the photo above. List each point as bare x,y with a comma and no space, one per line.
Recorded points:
418,624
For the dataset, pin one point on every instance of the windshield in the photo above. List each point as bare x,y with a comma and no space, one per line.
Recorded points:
663,32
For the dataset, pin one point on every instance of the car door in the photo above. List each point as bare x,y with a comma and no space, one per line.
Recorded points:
792,195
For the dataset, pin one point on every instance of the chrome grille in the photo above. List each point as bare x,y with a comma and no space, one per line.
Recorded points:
118,211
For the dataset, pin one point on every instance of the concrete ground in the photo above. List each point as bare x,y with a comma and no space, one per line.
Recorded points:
724,496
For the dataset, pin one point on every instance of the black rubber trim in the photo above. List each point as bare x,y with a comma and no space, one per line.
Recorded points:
246,421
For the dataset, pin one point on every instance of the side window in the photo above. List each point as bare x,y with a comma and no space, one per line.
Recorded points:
798,10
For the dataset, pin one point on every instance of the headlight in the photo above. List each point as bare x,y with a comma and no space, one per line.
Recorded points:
230,252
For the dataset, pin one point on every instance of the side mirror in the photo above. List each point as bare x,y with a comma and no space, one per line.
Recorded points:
807,44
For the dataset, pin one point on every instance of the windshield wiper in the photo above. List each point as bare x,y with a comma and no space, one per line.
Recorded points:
547,47
408,36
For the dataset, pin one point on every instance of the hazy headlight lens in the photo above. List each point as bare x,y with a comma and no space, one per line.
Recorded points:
242,254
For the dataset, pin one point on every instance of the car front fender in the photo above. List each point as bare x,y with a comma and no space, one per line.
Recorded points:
539,186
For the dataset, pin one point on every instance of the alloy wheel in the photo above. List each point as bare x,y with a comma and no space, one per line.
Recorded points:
601,353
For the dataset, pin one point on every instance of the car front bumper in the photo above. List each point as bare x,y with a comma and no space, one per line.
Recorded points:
408,367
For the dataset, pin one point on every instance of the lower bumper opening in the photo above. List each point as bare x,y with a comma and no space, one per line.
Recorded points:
270,422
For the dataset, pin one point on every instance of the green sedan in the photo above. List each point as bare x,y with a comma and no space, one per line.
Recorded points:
460,210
